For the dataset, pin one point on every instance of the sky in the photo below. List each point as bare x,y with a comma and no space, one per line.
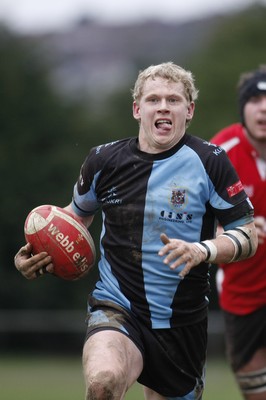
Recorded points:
40,16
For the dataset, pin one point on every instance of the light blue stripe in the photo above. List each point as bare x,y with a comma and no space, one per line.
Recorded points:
108,287
89,198
178,219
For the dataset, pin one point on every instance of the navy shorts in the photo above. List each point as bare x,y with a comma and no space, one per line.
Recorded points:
174,359
244,334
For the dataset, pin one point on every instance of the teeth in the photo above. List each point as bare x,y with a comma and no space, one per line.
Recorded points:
163,121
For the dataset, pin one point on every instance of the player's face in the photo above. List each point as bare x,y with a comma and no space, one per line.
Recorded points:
162,113
255,117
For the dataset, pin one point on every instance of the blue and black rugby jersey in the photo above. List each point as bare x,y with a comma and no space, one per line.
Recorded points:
181,192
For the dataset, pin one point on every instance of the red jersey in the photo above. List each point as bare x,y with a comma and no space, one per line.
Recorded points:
244,284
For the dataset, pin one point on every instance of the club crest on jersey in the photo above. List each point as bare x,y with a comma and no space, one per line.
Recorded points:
178,198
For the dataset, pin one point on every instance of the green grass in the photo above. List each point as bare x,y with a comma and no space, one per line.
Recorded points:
60,378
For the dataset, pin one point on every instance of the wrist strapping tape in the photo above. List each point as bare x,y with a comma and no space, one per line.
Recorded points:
209,248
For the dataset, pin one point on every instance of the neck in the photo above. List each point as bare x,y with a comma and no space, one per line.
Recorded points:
258,144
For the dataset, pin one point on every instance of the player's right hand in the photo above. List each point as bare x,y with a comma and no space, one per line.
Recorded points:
177,252
32,266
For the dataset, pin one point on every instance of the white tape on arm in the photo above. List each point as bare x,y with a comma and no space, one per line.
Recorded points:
209,248
240,237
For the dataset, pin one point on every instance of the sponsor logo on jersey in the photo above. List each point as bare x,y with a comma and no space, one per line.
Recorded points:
235,189
112,198
217,149
98,149
173,216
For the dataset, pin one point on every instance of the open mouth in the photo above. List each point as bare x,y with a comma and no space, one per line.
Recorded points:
163,123
261,124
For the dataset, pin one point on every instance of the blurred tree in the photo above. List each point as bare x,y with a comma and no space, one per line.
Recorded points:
43,142
118,116
238,45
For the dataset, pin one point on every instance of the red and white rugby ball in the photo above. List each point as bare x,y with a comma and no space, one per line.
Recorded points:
54,230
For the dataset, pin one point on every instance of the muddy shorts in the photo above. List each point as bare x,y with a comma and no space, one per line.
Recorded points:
174,358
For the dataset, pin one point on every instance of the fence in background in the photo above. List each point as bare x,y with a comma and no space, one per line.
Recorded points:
63,330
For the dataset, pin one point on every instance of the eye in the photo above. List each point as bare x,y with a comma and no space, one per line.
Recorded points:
172,100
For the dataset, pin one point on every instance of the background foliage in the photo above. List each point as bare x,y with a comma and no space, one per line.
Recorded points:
237,46
45,137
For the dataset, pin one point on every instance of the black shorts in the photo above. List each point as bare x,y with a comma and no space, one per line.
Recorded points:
244,334
174,359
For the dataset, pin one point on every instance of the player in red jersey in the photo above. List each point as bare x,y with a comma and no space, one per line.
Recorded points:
243,285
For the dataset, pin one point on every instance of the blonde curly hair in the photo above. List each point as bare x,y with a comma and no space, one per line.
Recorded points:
169,71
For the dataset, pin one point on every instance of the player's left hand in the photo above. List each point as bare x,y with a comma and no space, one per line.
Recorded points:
179,252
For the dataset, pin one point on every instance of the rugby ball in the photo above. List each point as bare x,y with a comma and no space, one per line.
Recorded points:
54,230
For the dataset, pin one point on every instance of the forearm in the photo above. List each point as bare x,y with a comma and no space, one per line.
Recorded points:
233,245
85,220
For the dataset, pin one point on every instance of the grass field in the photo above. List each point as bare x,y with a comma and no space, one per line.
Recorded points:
60,378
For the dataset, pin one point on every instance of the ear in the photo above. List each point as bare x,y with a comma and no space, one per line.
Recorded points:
136,111
190,110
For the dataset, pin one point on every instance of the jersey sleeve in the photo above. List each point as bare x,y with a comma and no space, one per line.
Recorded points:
229,200
85,200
